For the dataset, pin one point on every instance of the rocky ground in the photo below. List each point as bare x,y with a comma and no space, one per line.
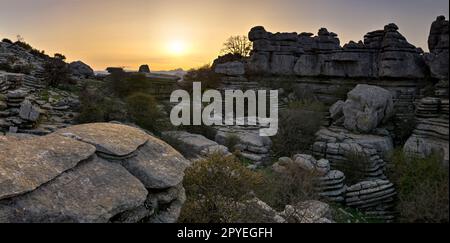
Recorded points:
53,170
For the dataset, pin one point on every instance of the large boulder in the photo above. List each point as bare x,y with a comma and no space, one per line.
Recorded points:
367,107
92,173
29,112
81,70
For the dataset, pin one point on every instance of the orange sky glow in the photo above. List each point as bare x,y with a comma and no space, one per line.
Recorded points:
169,34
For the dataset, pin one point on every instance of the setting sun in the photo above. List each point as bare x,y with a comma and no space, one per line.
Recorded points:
177,48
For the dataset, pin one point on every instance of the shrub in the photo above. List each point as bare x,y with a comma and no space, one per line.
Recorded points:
355,167
296,132
144,111
125,84
56,72
7,41
215,188
288,188
205,75
231,141
423,188
96,107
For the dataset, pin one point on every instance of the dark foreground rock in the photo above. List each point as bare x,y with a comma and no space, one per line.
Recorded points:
91,173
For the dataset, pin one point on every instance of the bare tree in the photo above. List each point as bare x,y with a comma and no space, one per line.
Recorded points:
238,45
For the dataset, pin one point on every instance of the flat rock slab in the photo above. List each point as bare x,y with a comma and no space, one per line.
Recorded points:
157,165
114,140
93,192
26,164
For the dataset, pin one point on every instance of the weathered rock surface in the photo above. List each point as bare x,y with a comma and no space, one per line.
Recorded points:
81,70
308,212
62,178
366,108
230,68
157,165
348,150
432,130
93,192
110,139
384,53
194,145
251,145
27,164
375,198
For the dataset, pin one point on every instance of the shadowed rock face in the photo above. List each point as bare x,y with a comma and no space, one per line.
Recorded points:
384,53
62,178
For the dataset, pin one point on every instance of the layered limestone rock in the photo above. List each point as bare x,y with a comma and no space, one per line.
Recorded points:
431,134
194,146
92,173
384,53
356,140
329,184
249,143
438,58
376,198
432,126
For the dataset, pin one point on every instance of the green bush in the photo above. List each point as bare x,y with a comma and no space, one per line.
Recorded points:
205,75
288,188
126,84
215,189
423,187
144,111
296,133
57,72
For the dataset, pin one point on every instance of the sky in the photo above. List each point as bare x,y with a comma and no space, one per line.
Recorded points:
170,34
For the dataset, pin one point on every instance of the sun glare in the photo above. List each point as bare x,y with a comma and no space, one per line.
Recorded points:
177,48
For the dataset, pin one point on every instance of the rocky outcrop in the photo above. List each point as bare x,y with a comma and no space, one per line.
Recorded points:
366,108
384,53
90,173
194,146
356,139
144,69
81,70
250,145
438,43
430,136
328,183
235,68
432,125
376,198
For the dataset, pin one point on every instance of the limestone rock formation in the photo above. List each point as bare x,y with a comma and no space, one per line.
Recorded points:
90,173
375,198
366,108
250,144
308,212
330,184
384,53
347,150
431,134
144,69
438,43
230,68
194,146
81,70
